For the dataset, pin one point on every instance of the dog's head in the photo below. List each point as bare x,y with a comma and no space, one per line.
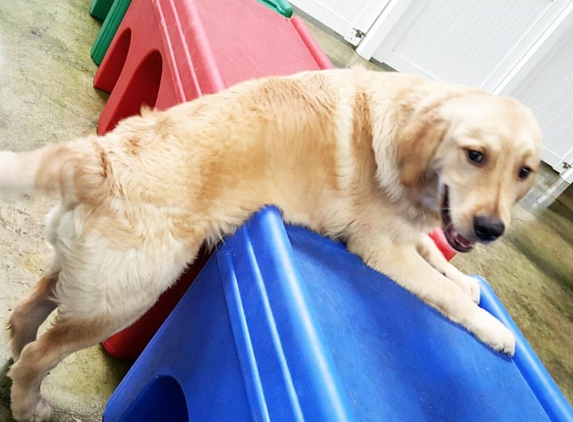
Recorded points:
482,150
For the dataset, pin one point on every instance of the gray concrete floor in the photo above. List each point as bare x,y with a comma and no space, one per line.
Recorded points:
46,95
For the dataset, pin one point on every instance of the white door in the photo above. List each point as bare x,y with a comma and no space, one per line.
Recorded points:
349,18
475,42
544,83
549,94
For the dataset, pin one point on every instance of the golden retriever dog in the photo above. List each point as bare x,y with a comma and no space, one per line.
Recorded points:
373,159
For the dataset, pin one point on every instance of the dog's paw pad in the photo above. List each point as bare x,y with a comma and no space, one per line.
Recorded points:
43,412
496,335
502,340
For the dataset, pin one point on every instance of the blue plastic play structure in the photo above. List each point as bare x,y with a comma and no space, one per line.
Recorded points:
285,325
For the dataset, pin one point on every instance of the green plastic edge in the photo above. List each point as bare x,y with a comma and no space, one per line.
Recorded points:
281,6
100,8
108,30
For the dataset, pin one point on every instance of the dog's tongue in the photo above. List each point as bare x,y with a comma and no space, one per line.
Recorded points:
457,241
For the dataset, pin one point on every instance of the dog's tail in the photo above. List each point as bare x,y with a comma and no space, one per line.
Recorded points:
41,169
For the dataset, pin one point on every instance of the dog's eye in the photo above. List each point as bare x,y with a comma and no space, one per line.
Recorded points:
524,173
475,156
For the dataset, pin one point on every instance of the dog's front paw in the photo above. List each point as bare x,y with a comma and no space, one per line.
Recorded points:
472,287
492,332
469,285
503,341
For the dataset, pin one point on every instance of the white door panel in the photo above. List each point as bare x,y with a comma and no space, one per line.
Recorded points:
548,91
473,42
343,16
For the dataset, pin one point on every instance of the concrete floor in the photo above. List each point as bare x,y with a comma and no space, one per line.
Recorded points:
46,95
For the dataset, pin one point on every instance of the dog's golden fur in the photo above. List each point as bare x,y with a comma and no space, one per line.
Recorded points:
374,159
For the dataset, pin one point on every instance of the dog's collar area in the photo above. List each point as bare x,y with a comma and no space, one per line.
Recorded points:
456,240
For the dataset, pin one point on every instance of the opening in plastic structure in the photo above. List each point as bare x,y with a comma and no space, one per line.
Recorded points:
142,90
162,400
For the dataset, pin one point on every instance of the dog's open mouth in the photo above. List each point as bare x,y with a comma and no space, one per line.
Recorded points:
456,240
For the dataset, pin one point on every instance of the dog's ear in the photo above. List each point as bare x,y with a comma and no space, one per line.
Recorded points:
416,144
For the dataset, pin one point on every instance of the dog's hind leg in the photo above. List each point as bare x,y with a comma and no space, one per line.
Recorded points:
76,327
65,337
31,312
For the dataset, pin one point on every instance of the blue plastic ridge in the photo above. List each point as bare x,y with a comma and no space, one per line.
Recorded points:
253,326
532,369
309,374
247,360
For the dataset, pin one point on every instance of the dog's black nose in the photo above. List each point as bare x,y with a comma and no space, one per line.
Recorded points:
488,228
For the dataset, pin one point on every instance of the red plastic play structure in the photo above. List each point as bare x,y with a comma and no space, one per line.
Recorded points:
439,239
169,51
